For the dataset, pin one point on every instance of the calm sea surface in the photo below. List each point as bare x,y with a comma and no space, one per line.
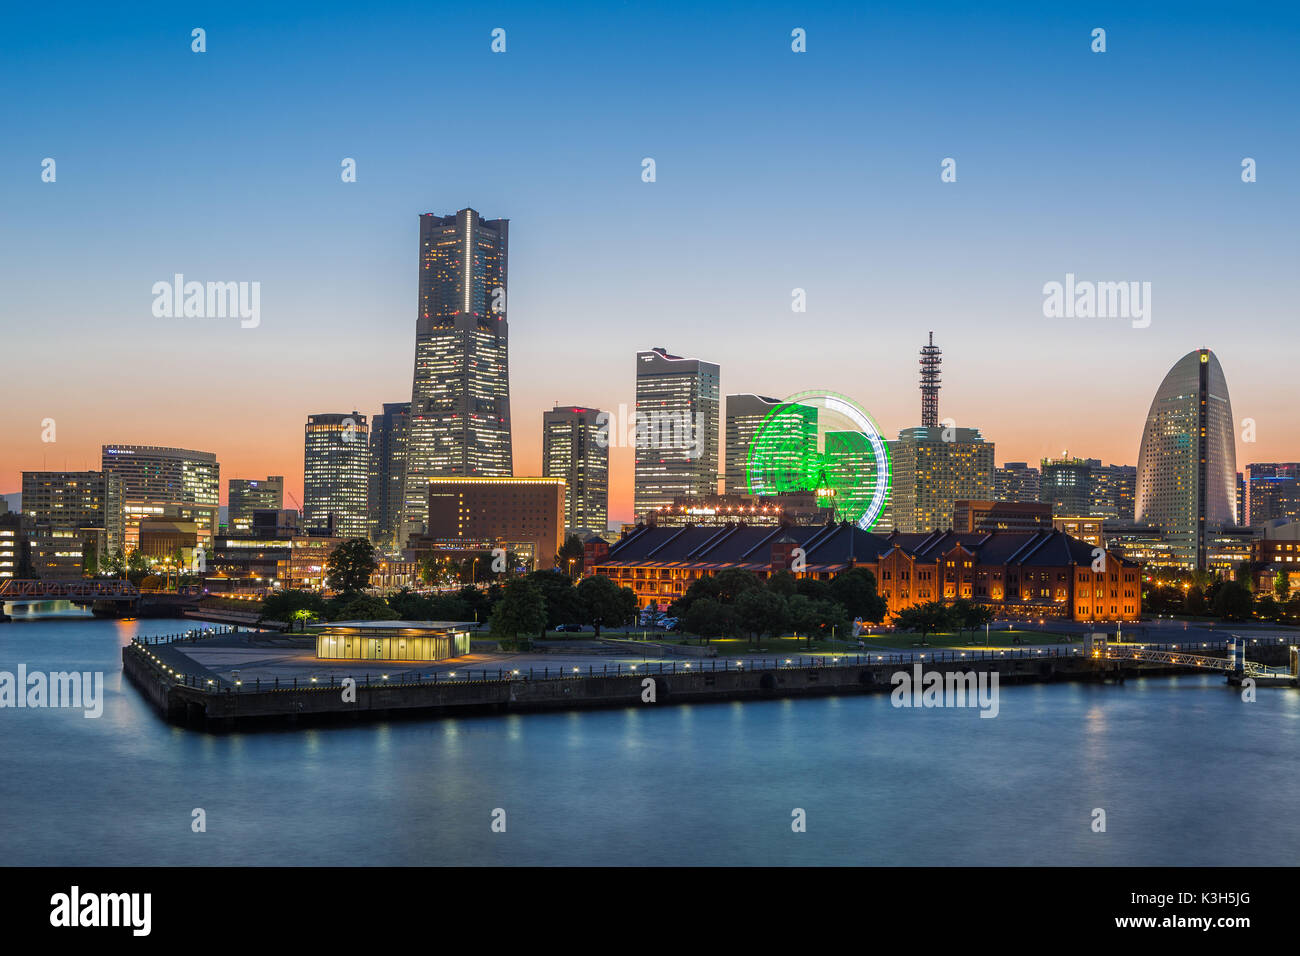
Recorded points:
1186,772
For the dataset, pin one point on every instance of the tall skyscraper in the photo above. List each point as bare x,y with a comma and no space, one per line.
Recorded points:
246,495
389,436
677,411
573,450
1187,464
460,393
73,516
336,475
746,413
1016,481
935,465
166,484
1271,491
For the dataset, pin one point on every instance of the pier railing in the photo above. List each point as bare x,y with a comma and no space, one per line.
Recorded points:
487,675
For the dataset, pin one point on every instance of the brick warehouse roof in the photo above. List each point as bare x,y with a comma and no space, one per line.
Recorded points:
830,546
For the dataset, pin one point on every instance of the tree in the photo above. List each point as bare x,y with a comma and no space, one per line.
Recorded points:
759,612
1281,585
709,618
350,565
355,606
1232,601
855,590
815,617
924,619
967,615
733,582
604,603
1268,608
562,603
783,583
287,605
569,558
521,610
701,589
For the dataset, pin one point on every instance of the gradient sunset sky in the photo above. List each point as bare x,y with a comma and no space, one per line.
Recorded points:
775,170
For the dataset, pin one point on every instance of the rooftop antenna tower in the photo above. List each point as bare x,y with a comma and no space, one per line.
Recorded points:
930,361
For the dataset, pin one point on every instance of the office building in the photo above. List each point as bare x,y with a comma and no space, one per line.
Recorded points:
460,392
75,519
1187,463
336,475
517,514
1112,491
1066,484
1000,516
246,495
1271,491
1016,481
161,483
389,435
575,448
677,409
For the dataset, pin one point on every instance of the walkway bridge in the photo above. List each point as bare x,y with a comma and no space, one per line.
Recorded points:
20,591
1235,665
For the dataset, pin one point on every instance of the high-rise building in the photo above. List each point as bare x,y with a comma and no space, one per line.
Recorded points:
1066,485
336,475
1187,464
932,474
75,519
677,411
460,393
170,484
1016,481
936,464
389,434
246,495
1271,492
573,449
791,426
1112,491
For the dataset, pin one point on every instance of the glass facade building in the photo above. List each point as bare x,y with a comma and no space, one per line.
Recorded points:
1187,464
573,450
460,392
336,475
677,412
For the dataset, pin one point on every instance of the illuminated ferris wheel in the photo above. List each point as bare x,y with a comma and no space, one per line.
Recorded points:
827,444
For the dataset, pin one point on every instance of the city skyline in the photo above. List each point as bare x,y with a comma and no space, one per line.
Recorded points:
621,480
606,264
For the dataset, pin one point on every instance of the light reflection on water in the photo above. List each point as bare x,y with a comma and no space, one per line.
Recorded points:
698,784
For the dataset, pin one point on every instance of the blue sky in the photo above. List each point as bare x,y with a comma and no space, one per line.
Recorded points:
775,170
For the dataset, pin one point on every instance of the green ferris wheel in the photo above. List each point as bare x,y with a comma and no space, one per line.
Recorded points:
827,444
